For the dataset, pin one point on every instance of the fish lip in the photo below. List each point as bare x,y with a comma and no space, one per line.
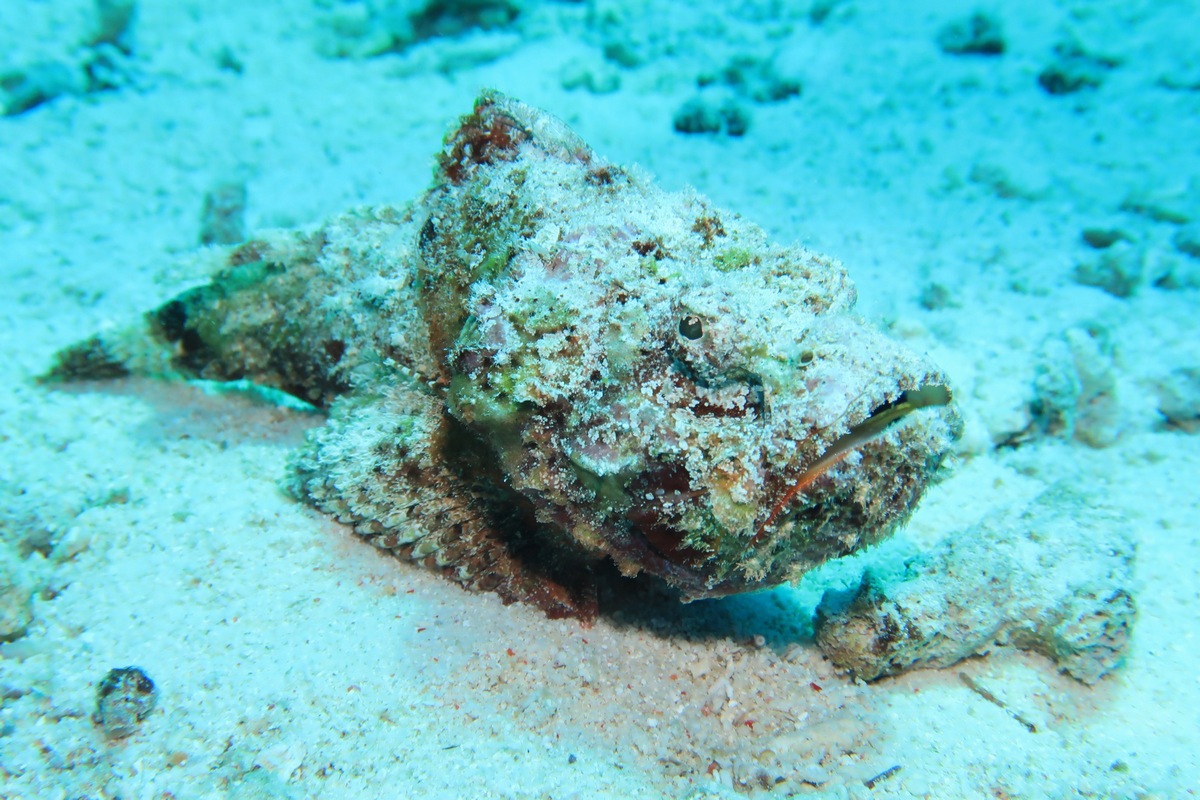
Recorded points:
881,419
634,542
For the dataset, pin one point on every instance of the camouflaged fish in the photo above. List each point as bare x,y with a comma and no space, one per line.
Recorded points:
547,361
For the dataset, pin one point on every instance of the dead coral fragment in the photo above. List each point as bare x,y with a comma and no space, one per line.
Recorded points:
1029,580
978,34
359,28
1073,69
124,698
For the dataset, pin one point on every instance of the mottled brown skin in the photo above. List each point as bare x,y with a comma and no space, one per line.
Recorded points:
458,517
520,385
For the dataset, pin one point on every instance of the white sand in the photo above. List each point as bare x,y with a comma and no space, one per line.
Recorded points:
294,661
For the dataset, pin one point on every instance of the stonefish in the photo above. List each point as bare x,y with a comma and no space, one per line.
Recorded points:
546,361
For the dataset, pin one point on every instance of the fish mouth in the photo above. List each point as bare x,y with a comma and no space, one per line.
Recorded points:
882,419
654,540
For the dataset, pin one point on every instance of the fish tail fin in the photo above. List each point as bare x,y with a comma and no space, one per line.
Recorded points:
258,319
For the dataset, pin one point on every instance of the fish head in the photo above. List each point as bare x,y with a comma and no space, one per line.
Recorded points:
656,376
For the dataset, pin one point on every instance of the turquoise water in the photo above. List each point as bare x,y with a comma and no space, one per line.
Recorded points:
1014,192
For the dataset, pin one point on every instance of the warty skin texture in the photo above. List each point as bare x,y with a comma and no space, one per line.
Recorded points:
547,361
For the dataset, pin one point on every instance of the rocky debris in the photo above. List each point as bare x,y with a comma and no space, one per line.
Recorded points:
88,57
223,220
1054,578
979,34
1075,389
364,28
124,698
1073,69
711,113
1119,269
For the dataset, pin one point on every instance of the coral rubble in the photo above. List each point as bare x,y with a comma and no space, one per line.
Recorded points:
124,698
1026,578
546,360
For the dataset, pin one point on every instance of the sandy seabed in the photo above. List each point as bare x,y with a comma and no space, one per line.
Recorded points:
992,213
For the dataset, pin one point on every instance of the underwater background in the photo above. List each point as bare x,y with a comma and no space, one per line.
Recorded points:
1013,187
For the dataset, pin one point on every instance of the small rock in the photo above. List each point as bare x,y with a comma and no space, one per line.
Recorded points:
108,68
1075,389
1179,399
700,115
1027,185
1174,271
357,29
37,84
124,698
936,296
1073,70
1178,204
1074,392
1119,270
597,77
1104,238
1180,77
1187,240
1056,389
756,79
978,34
223,218
823,11
16,594
1055,577
114,23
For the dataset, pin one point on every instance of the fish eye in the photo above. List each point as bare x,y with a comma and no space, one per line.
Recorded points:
690,327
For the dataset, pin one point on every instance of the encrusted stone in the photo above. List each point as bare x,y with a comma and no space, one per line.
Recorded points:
124,698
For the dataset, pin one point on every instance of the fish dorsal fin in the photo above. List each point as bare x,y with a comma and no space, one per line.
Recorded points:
496,130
